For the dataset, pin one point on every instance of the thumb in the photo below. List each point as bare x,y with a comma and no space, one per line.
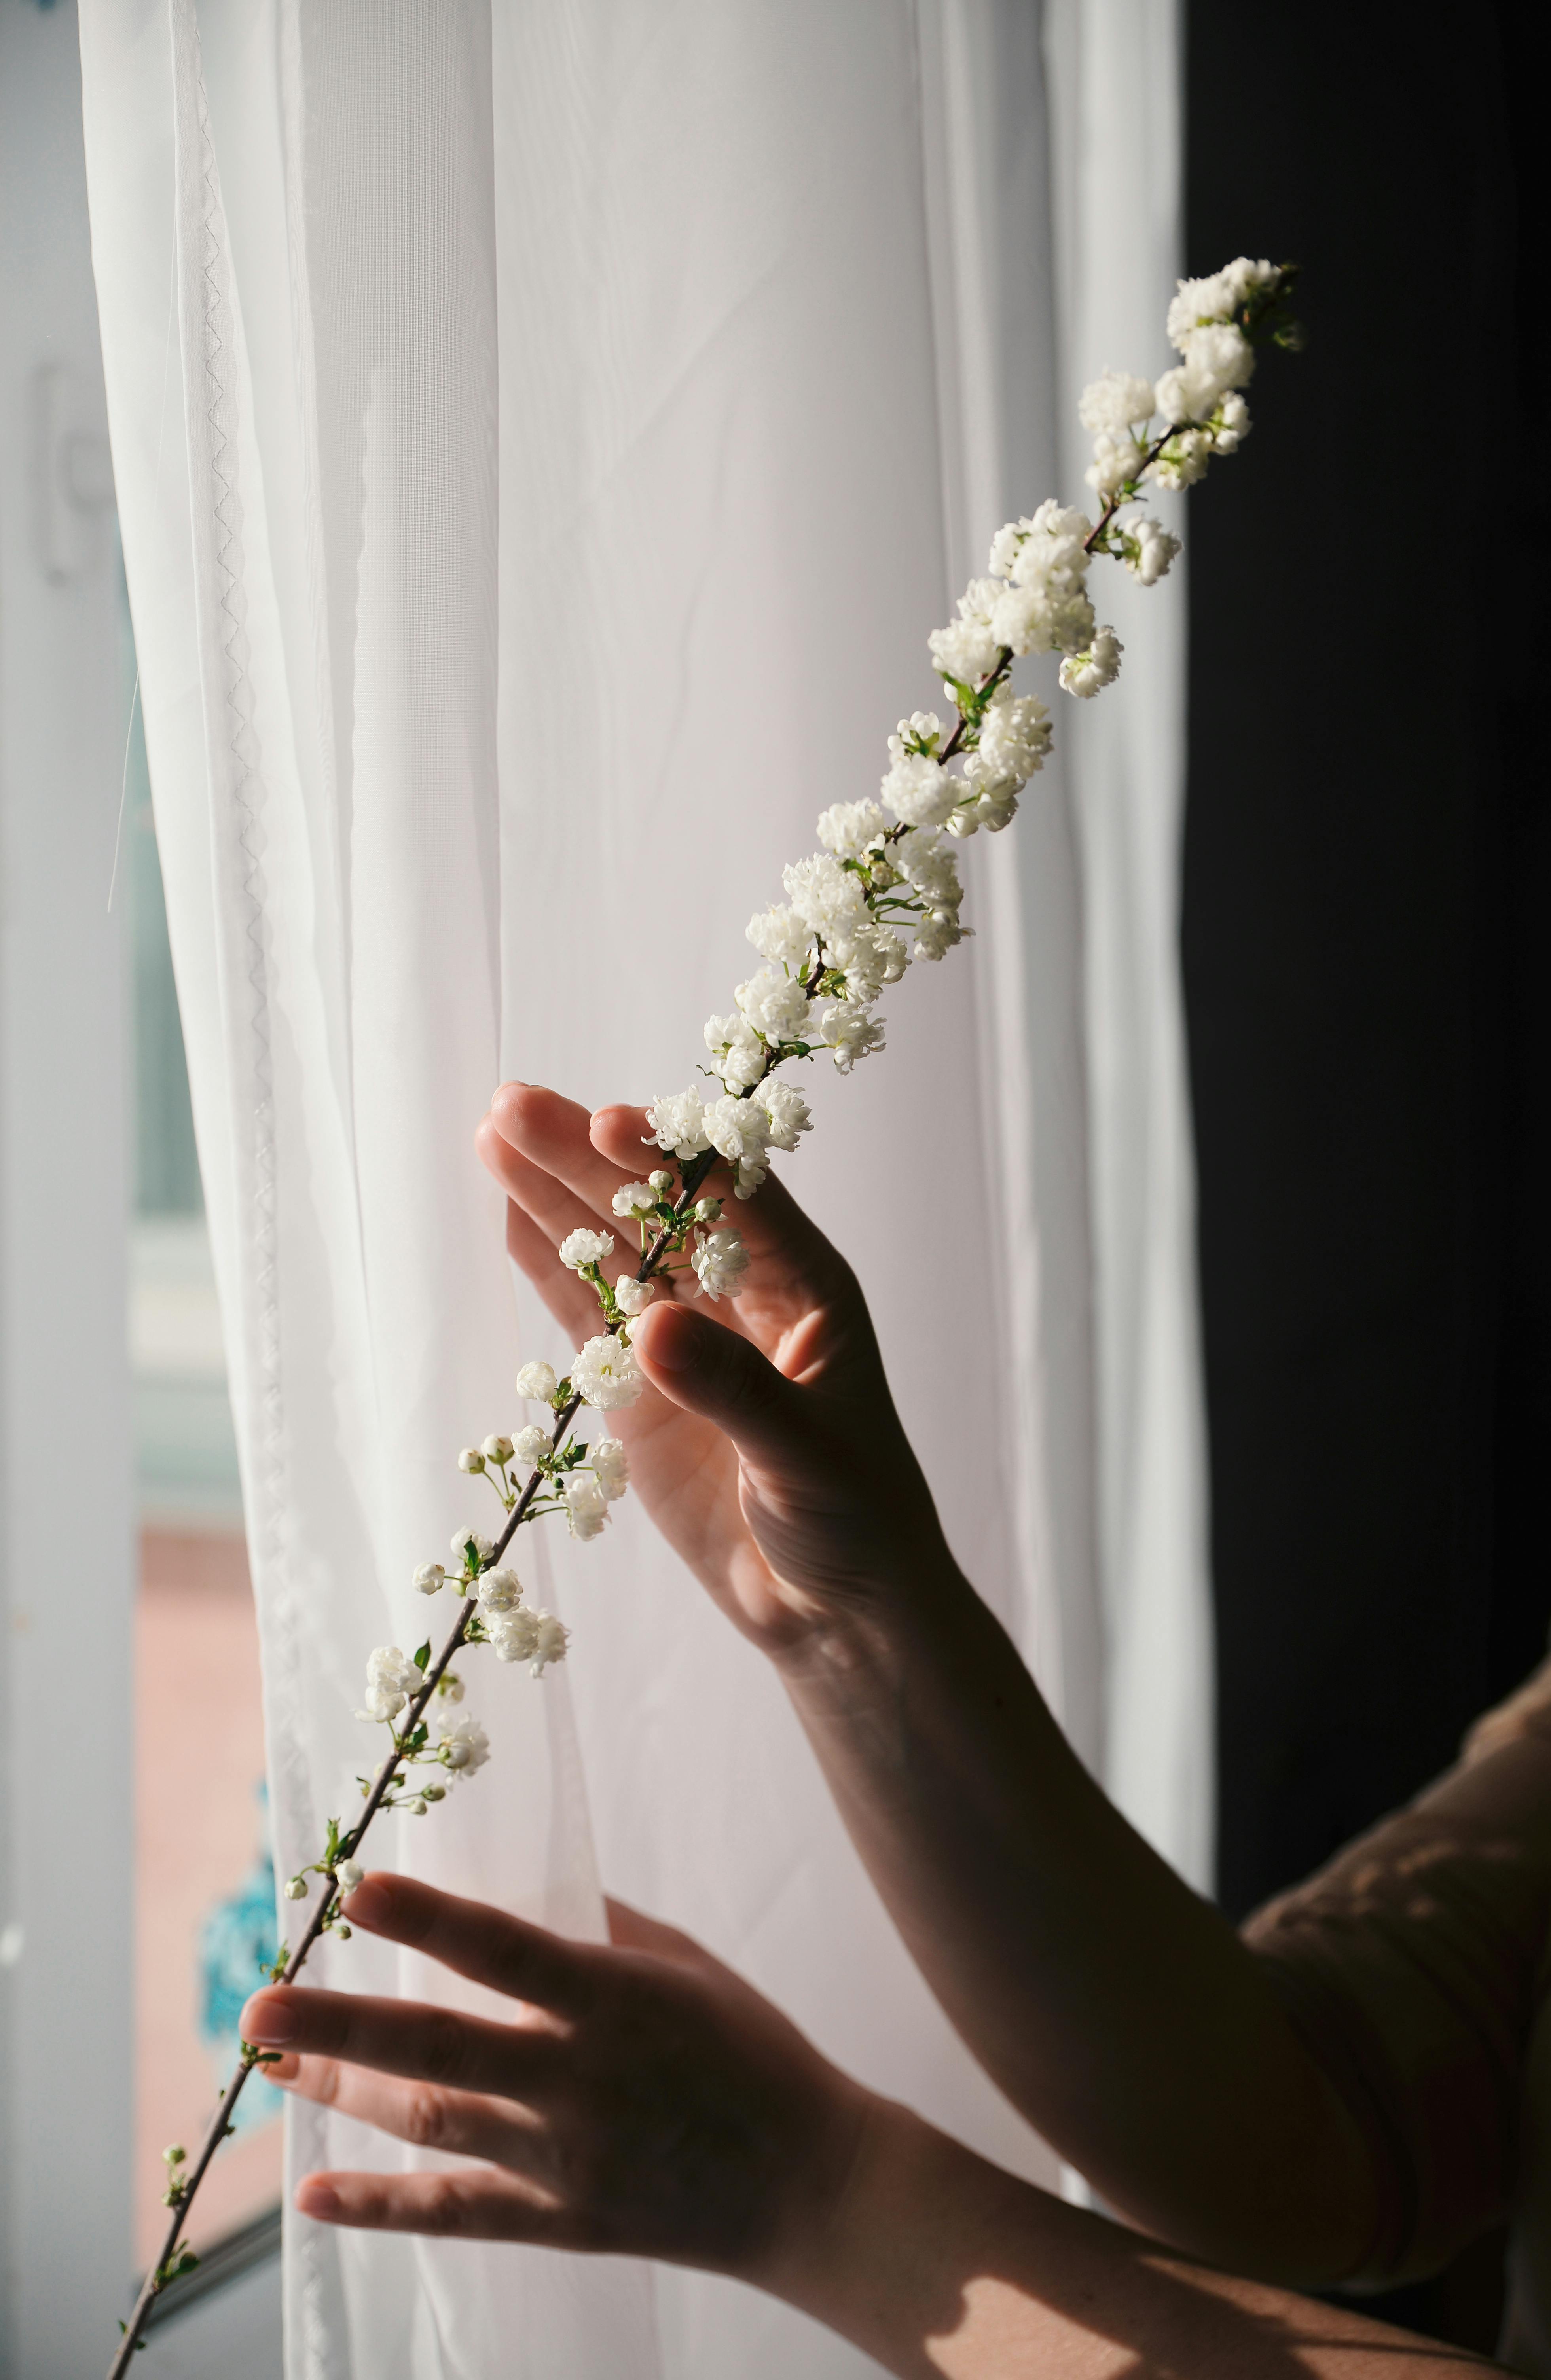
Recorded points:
713,1372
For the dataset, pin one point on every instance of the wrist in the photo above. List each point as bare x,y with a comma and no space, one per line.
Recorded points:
863,1642
883,2260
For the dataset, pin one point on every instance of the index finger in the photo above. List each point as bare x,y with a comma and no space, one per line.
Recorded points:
552,1135
485,1944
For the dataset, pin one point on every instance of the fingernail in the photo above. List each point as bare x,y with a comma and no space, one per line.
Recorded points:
317,2198
370,1904
276,2023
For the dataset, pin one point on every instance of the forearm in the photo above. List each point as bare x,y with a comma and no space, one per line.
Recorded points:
1118,2011
942,2267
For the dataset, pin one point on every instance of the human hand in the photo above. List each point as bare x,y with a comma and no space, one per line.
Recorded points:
643,2100
767,1446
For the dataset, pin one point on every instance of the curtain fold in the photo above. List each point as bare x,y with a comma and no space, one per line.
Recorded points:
545,437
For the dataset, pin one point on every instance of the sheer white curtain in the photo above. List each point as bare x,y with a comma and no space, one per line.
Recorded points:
543,444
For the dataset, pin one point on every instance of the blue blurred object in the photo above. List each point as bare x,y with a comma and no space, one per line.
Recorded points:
238,1941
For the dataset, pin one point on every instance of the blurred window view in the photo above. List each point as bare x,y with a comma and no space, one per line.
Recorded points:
205,1884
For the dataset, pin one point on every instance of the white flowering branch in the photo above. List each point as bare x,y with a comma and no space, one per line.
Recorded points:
884,870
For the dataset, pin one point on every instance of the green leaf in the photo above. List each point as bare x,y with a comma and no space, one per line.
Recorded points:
423,1656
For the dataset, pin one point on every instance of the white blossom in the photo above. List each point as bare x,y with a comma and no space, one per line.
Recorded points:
849,1033
1183,460
739,1130
1084,674
870,959
1217,297
551,1639
1044,609
537,1381
391,1679
1150,549
611,1464
583,1247
587,1507
847,828
606,1374
532,1636
825,895
1217,359
1116,402
1231,424
464,1745
786,1118
470,1546
497,1449
938,933
499,1589
918,788
780,936
513,1634
348,1873
1014,736
966,649
1005,545
720,1263
929,868
633,1297
429,1579
449,1687
676,1122
1115,461
633,1200
774,1004
532,1444
741,1053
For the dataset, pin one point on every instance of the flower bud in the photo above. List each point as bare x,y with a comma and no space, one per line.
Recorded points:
415,1809
707,1209
429,1579
497,1449
471,1459
296,1888
434,1793
660,1180
343,1931
537,1381
347,1875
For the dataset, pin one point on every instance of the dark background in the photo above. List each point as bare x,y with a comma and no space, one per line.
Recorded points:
1367,917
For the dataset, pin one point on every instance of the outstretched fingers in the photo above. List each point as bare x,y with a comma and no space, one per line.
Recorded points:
552,1135
428,2115
423,2043
485,1944
482,2202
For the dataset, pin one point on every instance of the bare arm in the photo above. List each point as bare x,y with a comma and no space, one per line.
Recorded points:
1118,2011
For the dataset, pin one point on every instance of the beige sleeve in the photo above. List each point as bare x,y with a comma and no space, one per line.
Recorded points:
1413,1966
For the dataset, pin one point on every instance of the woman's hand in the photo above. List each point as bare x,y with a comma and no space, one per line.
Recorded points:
643,2100
766,1447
